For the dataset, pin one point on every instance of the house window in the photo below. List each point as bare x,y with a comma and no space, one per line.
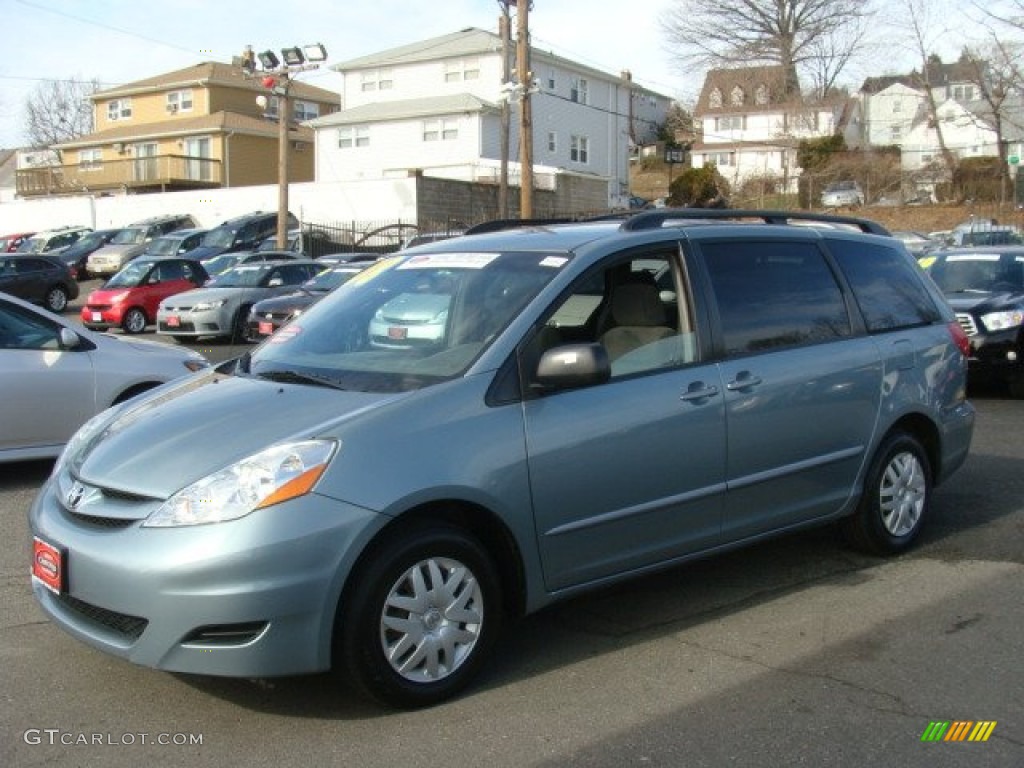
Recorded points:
579,149
732,123
719,158
551,80
715,98
552,142
737,96
963,92
761,94
440,130
897,106
305,110
926,159
377,80
179,101
119,109
461,69
90,159
895,132
353,136
578,91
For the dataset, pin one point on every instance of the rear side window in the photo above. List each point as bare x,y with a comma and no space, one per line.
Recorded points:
774,294
886,284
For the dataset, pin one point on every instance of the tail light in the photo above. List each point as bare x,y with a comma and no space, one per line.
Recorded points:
959,336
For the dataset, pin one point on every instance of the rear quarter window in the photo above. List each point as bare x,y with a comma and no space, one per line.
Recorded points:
887,285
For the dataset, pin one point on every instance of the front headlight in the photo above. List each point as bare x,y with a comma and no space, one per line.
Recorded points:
269,477
205,306
1000,321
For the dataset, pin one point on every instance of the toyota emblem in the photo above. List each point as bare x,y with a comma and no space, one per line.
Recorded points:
74,497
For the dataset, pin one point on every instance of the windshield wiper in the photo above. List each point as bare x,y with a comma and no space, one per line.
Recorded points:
293,377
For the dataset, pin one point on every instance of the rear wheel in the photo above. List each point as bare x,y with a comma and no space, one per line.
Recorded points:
897,492
134,321
421,619
240,326
56,298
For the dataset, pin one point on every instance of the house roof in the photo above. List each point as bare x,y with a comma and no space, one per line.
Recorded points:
749,80
405,109
465,42
938,74
211,73
218,122
470,41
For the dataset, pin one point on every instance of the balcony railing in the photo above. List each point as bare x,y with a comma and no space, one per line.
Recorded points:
163,172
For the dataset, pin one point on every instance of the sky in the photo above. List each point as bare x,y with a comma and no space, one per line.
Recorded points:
120,41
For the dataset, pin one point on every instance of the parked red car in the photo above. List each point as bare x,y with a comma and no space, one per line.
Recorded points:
10,243
130,298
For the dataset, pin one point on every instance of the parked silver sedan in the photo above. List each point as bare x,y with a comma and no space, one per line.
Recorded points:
221,307
54,376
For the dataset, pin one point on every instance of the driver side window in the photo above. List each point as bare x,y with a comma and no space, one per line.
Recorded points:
637,308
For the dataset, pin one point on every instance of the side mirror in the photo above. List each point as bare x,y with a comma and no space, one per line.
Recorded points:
573,365
69,339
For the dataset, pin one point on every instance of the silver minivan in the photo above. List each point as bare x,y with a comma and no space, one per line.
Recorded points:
601,400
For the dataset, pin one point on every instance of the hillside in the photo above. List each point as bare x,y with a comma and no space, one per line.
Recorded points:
651,179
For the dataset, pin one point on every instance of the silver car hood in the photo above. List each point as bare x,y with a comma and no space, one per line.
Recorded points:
186,432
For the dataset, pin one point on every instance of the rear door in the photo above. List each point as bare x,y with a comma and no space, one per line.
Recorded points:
802,384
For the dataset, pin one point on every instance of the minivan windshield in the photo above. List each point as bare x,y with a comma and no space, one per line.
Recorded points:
407,322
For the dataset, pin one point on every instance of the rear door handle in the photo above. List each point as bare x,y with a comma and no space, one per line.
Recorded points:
743,380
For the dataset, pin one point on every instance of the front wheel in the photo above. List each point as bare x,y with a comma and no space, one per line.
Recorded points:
423,614
134,321
897,493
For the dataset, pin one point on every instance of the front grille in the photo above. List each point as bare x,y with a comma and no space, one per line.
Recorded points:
967,323
103,522
128,627
181,327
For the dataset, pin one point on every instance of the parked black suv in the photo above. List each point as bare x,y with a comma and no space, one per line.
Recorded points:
242,233
985,286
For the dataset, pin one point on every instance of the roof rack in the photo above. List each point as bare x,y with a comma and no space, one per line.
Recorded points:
656,219
497,225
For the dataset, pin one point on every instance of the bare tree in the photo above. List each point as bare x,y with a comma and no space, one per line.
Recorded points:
996,71
815,37
915,21
58,111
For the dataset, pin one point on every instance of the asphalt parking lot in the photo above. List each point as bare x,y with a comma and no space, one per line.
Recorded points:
795,652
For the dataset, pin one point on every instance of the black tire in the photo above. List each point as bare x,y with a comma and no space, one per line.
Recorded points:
133,321
56,298
897,495
436,646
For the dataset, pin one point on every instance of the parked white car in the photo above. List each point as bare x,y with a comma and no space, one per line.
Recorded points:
55,376
842,194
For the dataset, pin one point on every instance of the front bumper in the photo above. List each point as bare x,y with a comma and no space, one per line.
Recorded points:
999,354
206,323
249,598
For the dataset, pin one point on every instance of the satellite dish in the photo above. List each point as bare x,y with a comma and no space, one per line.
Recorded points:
261,101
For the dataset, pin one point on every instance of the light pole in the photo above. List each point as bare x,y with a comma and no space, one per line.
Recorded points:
277,78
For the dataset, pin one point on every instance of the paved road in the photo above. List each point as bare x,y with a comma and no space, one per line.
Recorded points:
794,652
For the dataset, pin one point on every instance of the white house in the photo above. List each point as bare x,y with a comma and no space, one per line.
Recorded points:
749,128
434,107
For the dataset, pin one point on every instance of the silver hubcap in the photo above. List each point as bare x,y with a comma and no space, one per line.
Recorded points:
56,300
136,322
902,494
431,620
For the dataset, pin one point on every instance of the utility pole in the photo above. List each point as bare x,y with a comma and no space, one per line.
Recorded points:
525,114
504,31
283,118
